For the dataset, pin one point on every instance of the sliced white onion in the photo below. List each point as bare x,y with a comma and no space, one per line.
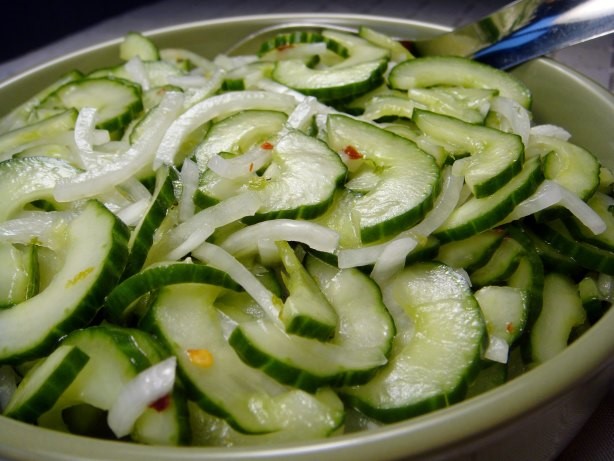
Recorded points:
231,62
273,87
356,257
210,87
188,81
193,232
219,258
392,259
136,189
210,108
241,165
497,349
551,193
303,113
268,252
179,54
132,214
103,178
245,241
552,131
445,204
137,72
517,117
137,394
189,180
605,285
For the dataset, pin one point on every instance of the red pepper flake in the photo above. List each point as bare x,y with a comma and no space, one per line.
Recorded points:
351,152
161,404
267,145
509,327
285,47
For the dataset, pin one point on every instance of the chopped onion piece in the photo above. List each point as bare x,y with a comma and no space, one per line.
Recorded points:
392,259
219,258
187,81
86,136
132,214
552,131
444,205
136,70
136,189
497,349
137,394
551,193
301,116
210,87
193,232
189,180
517,117
103,178
268,252
245,241
241,165
210,108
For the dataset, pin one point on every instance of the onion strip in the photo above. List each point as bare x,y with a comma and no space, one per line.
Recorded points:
137,394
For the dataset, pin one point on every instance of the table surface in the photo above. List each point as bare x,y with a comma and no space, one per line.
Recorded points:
594,59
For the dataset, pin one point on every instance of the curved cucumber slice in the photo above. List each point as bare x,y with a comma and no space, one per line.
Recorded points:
409,178
95,256
306,312
183,318
362,71
571,166
154,277
45,382
301,181
24,180
479,214
142,236
495,156
118,101
238,133
436,364
19,275
455,71
351,357
116,356
35,134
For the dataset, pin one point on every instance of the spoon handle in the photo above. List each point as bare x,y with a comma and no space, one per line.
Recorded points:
523,30
555,24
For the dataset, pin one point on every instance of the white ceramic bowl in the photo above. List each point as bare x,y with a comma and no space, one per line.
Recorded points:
530,418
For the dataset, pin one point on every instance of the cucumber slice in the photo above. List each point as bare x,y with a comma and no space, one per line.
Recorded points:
238,133
120,299
306,312
594,302
301,182
36,134
505,311
184,319
19,278
95,256
351,357
409,179
562,310
136,44
397,51
362,71
116,356
496,157
44,383
118,101
479,214
571,166
502,264
435,366
142,236
426,72
589,256
473,252
25,180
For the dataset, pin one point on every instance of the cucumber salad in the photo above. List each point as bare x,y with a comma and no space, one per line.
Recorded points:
323,237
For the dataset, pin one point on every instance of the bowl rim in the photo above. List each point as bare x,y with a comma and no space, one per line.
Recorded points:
415,436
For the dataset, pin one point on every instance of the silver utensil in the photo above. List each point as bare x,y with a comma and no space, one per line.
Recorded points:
518,32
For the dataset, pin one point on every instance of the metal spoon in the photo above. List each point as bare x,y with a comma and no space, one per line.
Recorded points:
518,32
